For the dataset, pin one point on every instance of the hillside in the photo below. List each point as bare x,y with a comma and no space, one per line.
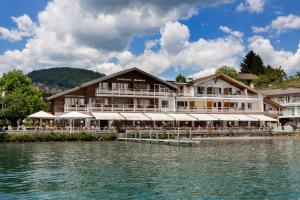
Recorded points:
291,82
54,80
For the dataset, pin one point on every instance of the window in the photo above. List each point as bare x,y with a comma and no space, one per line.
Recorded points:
200,90
249,105
120,101
181,88
215,104
101,102
143,103
181,103
164,103
141,86
114,86
75,101
1,106
243,106
103,85
233,105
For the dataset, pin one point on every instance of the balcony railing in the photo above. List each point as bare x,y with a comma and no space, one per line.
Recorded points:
216,110
152,108
228,95
134,92
69,108
273,112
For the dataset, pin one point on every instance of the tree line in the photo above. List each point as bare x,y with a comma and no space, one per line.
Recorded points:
252,63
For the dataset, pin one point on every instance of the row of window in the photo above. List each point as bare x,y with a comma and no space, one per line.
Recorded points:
216,90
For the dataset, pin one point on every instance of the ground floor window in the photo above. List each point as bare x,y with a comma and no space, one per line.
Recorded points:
164,103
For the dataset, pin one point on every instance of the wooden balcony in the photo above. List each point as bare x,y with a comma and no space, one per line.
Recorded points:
134,92
152,108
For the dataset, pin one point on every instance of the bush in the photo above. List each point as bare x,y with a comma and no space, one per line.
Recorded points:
35,137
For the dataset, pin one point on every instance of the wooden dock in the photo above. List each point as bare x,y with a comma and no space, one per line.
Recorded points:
161,141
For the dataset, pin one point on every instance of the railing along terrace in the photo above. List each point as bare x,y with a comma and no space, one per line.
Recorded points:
216,110
69,108
134,92
155,108
128,108
273,112
186,132
222,95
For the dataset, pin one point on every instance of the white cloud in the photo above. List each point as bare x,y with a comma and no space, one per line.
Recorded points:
289,61
257,29
236,34
280,24
285,23
175,37
203,73
253,6
199,55
92,33
25,28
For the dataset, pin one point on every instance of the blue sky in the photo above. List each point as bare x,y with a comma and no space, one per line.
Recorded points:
162,38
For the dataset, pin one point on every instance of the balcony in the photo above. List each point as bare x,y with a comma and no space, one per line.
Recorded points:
152,108
216,110
118,108
242,96
225,96
79,108
134,92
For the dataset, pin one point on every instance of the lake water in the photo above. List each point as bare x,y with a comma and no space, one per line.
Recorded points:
231,169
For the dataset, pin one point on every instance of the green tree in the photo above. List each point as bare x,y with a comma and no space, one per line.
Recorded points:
21,96
252,63
180,78
271,76
229,71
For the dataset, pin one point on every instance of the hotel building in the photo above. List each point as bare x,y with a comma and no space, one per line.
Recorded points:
289,99
135,91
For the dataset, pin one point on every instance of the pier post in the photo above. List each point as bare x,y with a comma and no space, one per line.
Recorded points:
190,136
150,135
178,135
126,134
140,135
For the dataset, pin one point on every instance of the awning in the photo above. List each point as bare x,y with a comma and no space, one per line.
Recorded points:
225,117
41,115
182,117
204,117
107,116
75,115
135,117
264,118
246,118
159,117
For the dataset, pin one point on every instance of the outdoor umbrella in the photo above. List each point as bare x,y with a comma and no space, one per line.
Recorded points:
41,115
74,115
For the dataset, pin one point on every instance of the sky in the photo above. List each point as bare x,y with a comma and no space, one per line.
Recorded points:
164,38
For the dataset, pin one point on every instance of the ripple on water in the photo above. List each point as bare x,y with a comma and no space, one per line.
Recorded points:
264,169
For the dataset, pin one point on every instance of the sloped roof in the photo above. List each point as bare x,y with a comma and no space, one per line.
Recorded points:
108,77
247,76
226,78
281,91
273,103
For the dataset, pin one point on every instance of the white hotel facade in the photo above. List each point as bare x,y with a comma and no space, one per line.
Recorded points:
133,92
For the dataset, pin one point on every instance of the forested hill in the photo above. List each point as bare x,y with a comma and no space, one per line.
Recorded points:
54,80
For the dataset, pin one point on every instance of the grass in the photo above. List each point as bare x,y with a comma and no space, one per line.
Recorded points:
45,137
291,82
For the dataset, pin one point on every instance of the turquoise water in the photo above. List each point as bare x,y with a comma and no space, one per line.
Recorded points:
235,169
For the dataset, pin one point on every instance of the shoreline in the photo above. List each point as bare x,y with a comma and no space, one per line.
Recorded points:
60,137
283,137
